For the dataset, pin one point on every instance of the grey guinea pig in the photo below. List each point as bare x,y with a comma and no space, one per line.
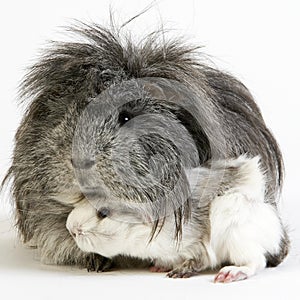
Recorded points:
230,225
110,118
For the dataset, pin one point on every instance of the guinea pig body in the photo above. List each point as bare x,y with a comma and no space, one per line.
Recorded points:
229,223
108,118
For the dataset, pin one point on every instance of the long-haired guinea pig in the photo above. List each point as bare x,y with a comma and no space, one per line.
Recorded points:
229,222
108,118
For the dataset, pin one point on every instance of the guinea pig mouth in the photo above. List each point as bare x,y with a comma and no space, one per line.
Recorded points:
86,238
85,243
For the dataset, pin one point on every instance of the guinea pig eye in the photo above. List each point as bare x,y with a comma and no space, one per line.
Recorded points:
124,117
103,213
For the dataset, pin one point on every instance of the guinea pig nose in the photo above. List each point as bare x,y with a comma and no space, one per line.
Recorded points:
76,231
103,213
83,164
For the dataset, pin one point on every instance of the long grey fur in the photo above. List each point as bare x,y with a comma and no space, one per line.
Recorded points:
60,85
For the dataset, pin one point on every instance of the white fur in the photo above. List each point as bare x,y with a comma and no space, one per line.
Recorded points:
243,229
111,237
243,226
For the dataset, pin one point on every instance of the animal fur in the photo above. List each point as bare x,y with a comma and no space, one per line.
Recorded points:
60,87
230,224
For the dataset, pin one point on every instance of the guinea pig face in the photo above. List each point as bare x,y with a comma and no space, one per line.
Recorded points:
105,230
133,142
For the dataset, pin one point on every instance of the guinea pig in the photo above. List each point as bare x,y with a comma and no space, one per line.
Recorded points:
229,223
108,118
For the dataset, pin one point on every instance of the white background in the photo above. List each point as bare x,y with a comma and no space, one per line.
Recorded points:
257,41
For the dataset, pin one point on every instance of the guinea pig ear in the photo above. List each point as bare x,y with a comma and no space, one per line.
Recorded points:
179,102
197,133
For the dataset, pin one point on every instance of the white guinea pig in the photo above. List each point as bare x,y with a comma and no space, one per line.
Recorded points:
229,222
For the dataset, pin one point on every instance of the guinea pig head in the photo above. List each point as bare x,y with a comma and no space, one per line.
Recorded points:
107,230
133,142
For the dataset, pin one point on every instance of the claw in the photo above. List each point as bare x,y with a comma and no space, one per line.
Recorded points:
180,274
97,263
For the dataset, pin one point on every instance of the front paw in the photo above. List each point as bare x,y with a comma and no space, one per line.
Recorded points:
232,273
97,263
188,269
181,273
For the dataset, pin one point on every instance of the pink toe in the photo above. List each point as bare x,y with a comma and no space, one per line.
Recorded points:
241,276
153,269
235,277
229,278
220,277
158,269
